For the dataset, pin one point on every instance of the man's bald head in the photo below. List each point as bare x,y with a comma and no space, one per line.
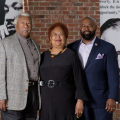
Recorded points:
88,29
91,19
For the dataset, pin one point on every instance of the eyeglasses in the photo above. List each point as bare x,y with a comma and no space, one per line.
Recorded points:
60,35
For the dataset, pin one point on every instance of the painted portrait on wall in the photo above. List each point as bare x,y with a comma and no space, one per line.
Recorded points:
110,25
9,10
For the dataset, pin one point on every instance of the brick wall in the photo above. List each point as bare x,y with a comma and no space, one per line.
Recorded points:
70,12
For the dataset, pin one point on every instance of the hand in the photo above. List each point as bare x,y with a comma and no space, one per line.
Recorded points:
79,108
110,105
3,105
3,31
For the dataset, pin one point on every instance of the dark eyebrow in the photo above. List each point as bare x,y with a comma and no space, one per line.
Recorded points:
5,6
14,4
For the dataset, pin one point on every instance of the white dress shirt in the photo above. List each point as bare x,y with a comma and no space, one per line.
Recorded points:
84,51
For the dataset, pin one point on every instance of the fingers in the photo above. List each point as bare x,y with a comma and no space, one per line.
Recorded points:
79,113
6,31
3,34
110,106
3,105
3,30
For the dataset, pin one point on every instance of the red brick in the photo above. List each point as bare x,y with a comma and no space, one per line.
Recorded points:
94,0
45,46
40,42
77,29
70,37
83,0
77,21
50,16
39,33
66,12
62,16
39,25
89,12
34,12
44,3
72,0
50,8
42,50
73,33
97,4
70,29
67,4
94,8
56,20
55,12
39,8
44,29
36,20
44,12
67,21
97,12
73,25
44,38
61,8
89,4
36,37
45,20
72,16
72,8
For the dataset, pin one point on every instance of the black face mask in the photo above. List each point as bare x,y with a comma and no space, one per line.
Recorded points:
88,36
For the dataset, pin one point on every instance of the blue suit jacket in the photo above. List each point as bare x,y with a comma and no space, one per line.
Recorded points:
101,75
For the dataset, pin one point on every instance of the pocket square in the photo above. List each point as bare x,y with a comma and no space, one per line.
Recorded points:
99,56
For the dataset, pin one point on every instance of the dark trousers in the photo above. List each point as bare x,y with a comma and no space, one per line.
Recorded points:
96,114
30,111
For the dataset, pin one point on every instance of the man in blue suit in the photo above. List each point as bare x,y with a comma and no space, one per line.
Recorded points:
99,60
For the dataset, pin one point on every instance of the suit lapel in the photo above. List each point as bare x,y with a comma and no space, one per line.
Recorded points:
76,46
93,51
19,50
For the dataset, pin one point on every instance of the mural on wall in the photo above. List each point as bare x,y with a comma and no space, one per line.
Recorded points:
110,25
9,10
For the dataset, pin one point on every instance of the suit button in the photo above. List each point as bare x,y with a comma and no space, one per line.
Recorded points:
26,90
27,80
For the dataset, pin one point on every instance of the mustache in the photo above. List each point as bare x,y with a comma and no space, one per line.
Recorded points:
87,31
25,30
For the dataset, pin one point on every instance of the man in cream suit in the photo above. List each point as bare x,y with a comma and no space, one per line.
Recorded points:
19,73
99,60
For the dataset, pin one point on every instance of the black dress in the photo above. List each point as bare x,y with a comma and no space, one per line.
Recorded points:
58,103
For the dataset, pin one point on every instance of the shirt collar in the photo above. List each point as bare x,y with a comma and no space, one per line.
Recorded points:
22,39
92,42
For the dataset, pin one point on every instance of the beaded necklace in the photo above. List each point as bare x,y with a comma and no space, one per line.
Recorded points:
52,55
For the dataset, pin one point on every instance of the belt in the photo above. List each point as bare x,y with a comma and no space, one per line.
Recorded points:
52,83
31,83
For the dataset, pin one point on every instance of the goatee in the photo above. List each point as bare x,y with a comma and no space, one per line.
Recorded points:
87,36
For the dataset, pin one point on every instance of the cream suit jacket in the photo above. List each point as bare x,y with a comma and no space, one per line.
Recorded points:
13,73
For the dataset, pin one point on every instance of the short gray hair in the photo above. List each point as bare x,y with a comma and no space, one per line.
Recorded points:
22,14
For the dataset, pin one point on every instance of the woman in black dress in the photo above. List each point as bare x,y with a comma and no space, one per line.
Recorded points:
62,91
